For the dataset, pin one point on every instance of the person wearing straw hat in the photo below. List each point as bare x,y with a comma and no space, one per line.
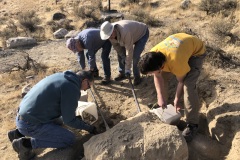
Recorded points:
90,39
53,97
181,55
128,38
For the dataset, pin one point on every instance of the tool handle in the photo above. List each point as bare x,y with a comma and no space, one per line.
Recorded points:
134,95
104,121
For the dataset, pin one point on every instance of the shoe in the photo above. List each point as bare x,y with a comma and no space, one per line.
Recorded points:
137,81
14,134
106,80
24,153
190,131
95,73
120,77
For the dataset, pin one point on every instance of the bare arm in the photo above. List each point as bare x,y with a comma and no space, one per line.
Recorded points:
159,85
179,91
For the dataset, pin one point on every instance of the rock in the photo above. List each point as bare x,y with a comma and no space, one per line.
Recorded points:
185,4
20,42
141,137
59,34
58,16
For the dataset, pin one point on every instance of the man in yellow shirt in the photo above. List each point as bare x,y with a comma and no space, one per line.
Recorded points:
181,55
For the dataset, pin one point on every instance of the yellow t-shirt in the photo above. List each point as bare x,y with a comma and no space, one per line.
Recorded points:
178,48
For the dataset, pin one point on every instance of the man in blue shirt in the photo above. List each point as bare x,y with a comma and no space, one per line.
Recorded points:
90,39
55,96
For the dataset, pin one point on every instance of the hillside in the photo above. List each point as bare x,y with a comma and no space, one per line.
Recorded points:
218,84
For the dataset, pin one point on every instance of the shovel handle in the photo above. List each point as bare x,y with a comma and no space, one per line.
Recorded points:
104,121
134,95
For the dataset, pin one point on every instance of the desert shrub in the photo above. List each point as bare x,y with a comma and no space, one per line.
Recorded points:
11,30
54,26
91,11
229,4
28,20
123,3
47,9
86,12
215,6
221,28
181,28
143,16
210,6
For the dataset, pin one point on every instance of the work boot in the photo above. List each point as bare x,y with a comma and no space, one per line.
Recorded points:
120,76
106,80
24,153
14,134
95,73
190,131
137,81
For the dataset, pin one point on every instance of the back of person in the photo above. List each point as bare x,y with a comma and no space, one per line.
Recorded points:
178,48
90,39
43,102
130,31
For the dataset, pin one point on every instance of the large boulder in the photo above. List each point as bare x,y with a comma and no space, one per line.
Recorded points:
20,42
141,137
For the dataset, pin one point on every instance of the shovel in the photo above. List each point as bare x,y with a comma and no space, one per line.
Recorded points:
134,95
104,121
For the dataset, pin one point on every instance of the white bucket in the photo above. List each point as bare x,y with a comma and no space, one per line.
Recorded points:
88,107
167,115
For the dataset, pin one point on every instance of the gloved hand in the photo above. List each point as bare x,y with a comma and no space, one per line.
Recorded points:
127,73
94,131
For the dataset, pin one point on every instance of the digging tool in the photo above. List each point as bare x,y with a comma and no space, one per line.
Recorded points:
134,95
104,121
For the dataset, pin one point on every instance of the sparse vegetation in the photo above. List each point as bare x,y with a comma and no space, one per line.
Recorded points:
54,26
221,28
9,31
215,6
143,16
29,20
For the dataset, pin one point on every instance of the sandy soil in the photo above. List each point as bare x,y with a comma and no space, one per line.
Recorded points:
218,85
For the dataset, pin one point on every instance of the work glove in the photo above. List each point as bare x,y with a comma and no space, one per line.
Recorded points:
94,131
127,73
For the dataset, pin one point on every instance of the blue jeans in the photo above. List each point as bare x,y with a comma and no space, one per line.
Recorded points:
137,51
91,56
49,135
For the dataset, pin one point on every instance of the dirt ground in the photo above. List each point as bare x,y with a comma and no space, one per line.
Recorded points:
218,84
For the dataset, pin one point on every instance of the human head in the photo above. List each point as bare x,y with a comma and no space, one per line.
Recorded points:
106,30
74,45
151,61
87,79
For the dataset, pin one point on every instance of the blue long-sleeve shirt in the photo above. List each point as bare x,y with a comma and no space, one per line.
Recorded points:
90,39
54,96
